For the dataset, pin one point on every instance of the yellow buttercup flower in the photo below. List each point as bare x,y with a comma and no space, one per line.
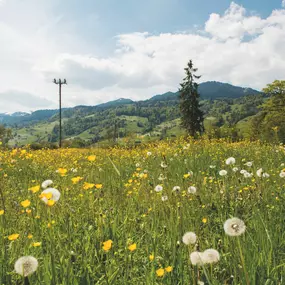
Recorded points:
30,236
168,269
91,157
62,171
26,203
13,236
160,272
132,247
98,186
50,203
151,257
2,212
107,245
87,186
204,220
75,180
36,244
35,189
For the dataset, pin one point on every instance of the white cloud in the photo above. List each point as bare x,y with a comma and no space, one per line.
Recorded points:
234,47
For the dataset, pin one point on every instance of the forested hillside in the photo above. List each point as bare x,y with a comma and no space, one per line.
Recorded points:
224,106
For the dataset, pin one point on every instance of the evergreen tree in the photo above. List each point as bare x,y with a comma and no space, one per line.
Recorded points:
191,115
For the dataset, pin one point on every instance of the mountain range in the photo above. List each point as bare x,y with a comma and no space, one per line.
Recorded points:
221,102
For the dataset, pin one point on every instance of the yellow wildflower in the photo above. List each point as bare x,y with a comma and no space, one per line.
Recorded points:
13,236
151,257
30,236
91,157
36,244
75,180
168,269
26,203
2,212
160,272
50,203
35,189
87,186
62,171
132,247
98,186
107,245
204,220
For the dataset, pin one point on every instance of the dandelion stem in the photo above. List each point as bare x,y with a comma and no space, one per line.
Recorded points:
243,263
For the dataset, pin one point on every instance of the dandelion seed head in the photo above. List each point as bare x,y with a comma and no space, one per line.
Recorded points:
235,169
26,265
230,161
158,188
192,190
211,256
234,227
189,238
223,172
47,183
176,189
164,198
196,258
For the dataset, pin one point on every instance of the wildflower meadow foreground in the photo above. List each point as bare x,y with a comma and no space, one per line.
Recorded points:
174,212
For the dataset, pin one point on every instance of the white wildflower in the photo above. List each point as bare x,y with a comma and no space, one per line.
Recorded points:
189,238
176,189
282,174
235,169
148,153
196,258
223,172
164,198
161,177
158,188
26,265
249,164
163,164
210,256
192,190
138,165
230,161
259,172
265,175
243,171
46,184
234,227
212,166
247,175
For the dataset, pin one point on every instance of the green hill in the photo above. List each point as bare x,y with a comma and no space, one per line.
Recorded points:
155,118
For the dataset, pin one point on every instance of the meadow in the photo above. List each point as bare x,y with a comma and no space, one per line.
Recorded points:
153,214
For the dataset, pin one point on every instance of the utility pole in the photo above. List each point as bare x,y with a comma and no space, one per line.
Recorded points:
59,82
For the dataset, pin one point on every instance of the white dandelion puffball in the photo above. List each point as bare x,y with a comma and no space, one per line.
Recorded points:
265,175
212,166
164,198
259,172
46,184
163,164
26,265
230,161
196,258
234,227
192,190
176,189
161,177
249,164
189,238
282,174
55,194
223,172
243,171
138,165
148,153
247,175
235,169
158,188
211,256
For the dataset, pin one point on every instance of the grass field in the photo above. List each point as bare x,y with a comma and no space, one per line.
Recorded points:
118,220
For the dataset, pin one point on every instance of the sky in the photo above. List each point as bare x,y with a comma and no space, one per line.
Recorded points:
133,49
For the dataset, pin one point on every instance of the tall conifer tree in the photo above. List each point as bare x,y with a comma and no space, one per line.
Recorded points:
191,115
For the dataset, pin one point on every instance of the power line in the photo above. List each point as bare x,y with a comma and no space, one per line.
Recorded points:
60,83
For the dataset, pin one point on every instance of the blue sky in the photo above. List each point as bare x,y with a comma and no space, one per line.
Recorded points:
133,49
